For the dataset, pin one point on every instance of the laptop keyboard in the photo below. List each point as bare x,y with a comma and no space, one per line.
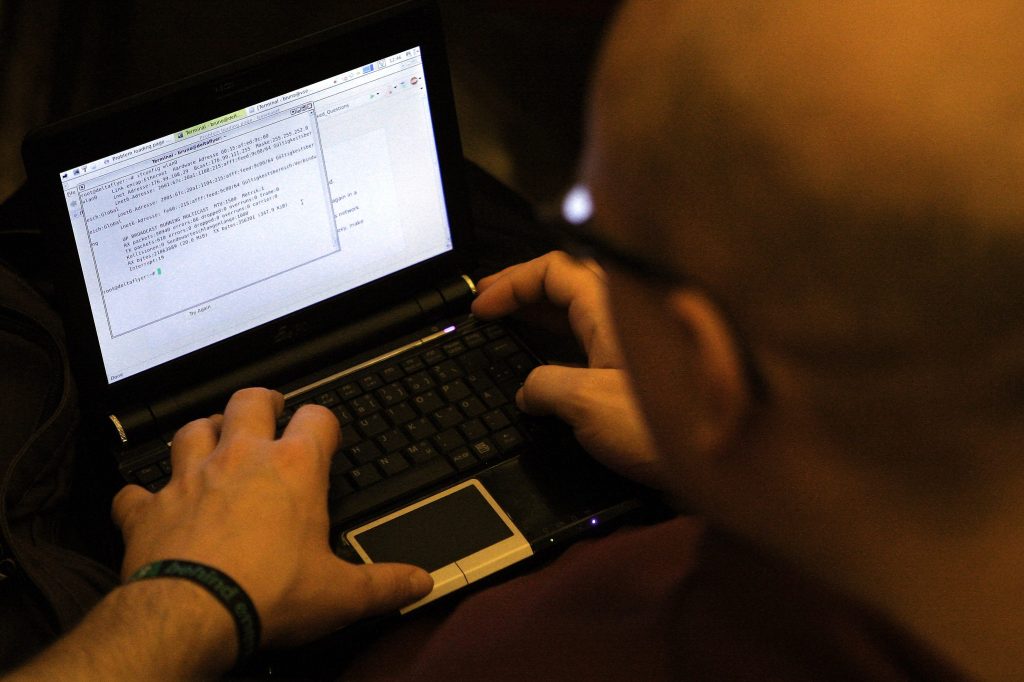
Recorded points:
435,413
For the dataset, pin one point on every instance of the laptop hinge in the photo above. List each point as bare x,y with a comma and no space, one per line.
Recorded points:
131,427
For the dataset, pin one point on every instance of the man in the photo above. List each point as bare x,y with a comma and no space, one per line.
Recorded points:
808,218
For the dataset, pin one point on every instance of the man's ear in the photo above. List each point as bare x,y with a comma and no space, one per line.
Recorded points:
725,397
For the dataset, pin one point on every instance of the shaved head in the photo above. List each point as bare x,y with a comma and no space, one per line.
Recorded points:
847,180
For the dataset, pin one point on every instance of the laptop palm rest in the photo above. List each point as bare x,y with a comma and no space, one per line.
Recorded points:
459,535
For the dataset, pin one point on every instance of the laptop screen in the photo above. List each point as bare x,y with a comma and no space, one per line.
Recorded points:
224,225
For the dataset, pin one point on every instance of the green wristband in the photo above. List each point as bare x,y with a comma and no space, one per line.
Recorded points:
226,590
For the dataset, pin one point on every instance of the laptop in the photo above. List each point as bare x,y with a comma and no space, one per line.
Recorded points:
298,220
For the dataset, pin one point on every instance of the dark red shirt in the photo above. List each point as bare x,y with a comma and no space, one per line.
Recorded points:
672,601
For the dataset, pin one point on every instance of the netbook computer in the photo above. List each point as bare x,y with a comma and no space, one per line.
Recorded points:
298,220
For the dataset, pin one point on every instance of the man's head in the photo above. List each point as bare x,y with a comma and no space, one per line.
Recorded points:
843,182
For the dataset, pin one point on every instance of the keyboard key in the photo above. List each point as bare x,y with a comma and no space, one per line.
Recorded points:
474,339
365,452
364,476
340,464
448,440
419,382
500,373
462,459
431,472
484,449
494,331
433,356
392,393
340,487
349,435
391,374
342,413
473,429
495,420
448,416
158,485
446,371
392,465
455,391
364,405
349,391
474,359
479,381
512,412
492,397
472,407
400,413
428,402
372,425
392,440
165,466
521,364
420,428
453,348
327,399
418,453
148,474
502,348
510,387
370,382
413,364
509,438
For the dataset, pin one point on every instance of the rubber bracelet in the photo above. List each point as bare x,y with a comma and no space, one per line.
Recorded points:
226,590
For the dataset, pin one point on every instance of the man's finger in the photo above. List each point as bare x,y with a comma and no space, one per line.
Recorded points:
317,423
552,277
489,280
252,411
549,390
565,284
126,501
193,442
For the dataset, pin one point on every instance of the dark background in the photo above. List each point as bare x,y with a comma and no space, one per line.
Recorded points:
519,67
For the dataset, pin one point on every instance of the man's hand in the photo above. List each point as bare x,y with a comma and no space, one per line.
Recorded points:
596,401
255,507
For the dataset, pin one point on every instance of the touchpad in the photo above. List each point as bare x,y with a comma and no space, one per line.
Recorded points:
459,535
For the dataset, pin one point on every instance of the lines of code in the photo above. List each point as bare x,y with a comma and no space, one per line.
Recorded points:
208,218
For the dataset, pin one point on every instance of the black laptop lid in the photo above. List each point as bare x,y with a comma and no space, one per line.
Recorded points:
208,223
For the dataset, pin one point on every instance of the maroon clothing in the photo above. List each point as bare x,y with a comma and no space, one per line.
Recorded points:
665,602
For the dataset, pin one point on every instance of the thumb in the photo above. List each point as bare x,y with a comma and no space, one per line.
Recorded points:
365,590
600,407
333,593
336,593
550,390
